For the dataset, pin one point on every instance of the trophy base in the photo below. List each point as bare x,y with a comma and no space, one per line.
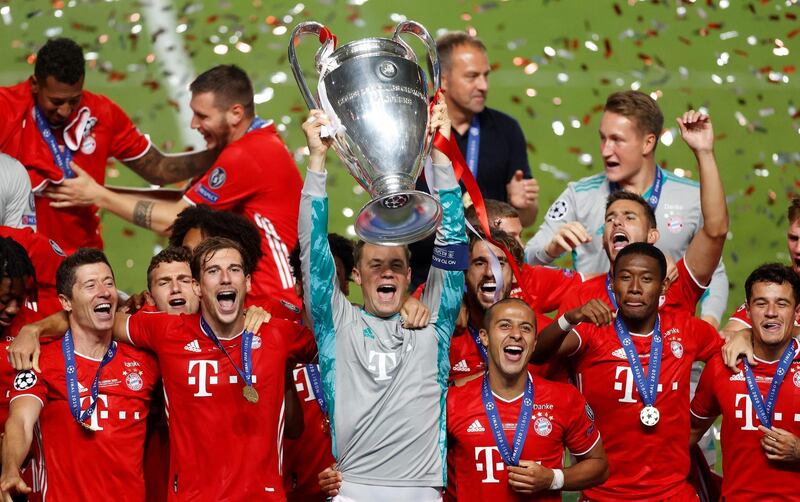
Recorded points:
398,218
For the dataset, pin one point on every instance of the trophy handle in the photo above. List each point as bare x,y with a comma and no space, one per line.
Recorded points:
325,37
421,33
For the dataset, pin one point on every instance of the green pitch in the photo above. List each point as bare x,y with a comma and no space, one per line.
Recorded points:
554,64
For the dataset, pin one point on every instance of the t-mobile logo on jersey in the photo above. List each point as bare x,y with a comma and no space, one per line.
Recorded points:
382,368
746,412
626,385
203,378
100,411
303,384
485,462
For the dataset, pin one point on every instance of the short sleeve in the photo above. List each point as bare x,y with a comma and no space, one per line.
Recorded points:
299,342
741,316
226,185
705,404
548,285
29,383
685,292
585,332
146,330
706,337
128,142
581,433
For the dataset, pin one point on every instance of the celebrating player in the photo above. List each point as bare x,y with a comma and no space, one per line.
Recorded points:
384,384
50,120
635,376
760,423
91,398
489,462
254,176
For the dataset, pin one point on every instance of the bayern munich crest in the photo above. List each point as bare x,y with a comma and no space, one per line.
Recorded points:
24,380
134,381
796,379
676,348
542,426
256,342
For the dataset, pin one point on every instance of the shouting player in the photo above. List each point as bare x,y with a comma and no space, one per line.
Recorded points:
760,424
507,431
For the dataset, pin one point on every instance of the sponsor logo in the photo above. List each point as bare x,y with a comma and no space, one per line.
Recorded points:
29,220
25,380
207,194
676,348
589,412
476,426
542,426
558,211
134,381
619,353
217,178
461,366
289,305
57,249
193,346
131,364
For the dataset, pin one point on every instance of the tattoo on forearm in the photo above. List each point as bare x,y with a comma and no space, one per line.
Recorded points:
142,213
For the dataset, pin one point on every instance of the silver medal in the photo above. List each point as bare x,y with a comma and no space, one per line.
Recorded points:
649,416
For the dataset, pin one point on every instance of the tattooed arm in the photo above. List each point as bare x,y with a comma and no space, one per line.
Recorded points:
160,169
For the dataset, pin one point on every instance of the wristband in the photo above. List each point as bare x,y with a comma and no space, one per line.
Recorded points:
564,324
558,480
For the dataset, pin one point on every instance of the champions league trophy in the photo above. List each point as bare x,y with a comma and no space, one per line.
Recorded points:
376,96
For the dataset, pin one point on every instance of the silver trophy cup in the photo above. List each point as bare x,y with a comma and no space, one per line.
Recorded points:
377,97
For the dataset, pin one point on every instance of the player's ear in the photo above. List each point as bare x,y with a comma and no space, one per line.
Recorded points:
484,336
66,303
34,84
247,282
196,288
235,114
357,275
148,299
653,235
649,144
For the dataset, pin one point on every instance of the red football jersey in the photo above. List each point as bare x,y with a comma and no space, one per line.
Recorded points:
77,464
683,294
305,457
749,475
476,470
743,316
606,380
255,176
547,286
222,447
98,128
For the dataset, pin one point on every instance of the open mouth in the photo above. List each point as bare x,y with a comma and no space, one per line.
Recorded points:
619,240
513,352
771,326
103,310
226,300
177,302
386,292
611,164
487,290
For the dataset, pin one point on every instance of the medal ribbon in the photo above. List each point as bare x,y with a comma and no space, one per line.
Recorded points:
764,408
655,190
257,123
73,391
62,159
316,386
510,454
647,387
247,343
473,145
477,339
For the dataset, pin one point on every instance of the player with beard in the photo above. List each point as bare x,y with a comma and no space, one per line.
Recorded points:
507,431
635,376
216,367
254,176
760,426
50,120
91,399
384,384
740,319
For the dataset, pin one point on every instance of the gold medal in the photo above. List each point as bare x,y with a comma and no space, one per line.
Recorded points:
250,393
326,425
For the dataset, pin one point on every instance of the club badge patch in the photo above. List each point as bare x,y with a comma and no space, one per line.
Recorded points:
676,348
134,381
543,426
25,380
796,378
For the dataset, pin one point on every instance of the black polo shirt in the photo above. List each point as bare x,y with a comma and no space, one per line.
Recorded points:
502,152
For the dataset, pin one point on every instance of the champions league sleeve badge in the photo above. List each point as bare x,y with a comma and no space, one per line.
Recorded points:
558,210
25,380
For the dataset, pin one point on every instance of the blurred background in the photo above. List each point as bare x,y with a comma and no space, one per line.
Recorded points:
554,63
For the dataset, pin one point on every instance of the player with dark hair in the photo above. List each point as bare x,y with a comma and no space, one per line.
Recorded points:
169,282
634,374
50,121
507,431
90,400
17,280
740,320
254,176
760,435
630,129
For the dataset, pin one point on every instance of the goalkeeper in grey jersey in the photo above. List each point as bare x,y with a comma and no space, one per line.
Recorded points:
385,385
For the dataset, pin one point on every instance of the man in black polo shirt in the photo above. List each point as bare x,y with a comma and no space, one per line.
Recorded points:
492,142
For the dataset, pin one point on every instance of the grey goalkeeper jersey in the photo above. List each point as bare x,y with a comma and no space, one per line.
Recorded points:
385,385
678,217
17,208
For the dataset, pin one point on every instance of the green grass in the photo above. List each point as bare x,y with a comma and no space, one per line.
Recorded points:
651,44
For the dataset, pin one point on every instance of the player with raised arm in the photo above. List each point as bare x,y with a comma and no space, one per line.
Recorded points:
507,431
384,384
760,435
90,400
